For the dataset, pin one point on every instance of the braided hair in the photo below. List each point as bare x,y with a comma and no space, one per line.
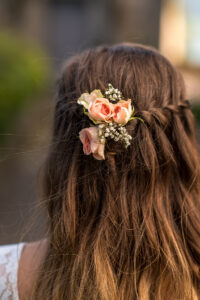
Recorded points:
126,227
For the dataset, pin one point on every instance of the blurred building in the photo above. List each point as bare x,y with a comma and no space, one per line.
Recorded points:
66,27
180,40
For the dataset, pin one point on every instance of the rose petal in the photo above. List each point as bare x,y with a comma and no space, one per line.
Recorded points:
99,154
83,135
126,104
91,143
122,111
97,93
94,146
100,110
85,99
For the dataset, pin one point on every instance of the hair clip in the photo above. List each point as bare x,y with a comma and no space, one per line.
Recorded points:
108,117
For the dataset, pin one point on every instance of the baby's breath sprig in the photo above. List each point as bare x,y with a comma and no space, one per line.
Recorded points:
112,93
114,131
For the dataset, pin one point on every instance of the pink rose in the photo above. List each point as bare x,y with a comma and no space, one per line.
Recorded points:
100,110
91,143
122,111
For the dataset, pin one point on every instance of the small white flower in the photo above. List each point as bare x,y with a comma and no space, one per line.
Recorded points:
107,129
106,134
101,126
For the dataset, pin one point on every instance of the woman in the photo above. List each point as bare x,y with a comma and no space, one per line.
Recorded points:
123,208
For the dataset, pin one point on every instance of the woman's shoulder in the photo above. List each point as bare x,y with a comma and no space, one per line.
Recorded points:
29,264
18,268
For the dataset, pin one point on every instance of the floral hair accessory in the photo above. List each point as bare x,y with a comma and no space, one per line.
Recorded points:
109,115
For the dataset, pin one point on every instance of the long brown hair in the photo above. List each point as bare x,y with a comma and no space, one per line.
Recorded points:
126,227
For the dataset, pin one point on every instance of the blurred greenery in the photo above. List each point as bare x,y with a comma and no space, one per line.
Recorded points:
196,111
24,74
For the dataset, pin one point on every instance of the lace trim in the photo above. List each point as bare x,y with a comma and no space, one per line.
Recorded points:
9,260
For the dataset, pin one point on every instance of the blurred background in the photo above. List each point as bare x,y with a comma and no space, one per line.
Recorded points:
35,38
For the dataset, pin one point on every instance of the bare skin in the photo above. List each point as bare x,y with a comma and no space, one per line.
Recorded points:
30,261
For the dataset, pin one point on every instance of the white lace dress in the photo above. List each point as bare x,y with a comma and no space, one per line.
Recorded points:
9,260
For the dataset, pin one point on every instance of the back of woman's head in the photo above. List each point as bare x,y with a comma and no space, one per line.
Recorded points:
126,227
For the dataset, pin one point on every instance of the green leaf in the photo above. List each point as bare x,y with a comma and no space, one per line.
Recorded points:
132,112
132,118
84,111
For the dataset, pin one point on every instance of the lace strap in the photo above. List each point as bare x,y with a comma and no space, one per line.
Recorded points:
9,261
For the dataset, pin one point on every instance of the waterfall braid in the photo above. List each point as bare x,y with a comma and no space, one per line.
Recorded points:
126,227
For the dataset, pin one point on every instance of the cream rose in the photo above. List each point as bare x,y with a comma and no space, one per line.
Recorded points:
122,111
91,143
100,110
85,99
